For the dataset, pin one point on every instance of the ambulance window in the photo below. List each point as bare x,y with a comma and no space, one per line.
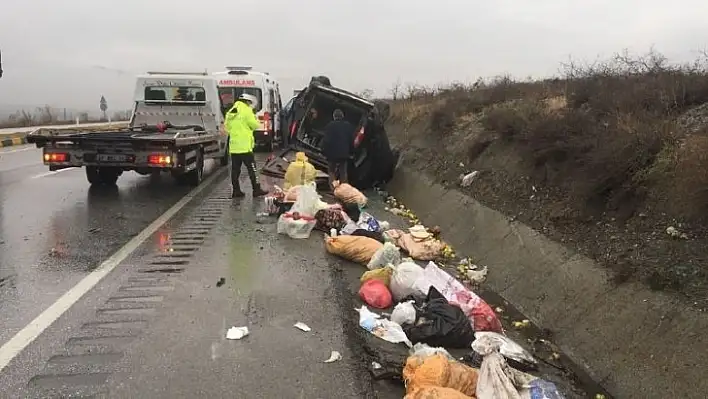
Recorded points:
230,94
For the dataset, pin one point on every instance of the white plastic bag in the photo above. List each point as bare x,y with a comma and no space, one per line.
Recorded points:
300,228
382,328
493,383
389,253
507,347
404,313
499,381
405,274
308,201
424,350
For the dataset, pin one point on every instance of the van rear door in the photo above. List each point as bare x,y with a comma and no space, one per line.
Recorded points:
372,160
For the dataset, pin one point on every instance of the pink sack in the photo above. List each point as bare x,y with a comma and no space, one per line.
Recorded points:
478,311
480,314
375,294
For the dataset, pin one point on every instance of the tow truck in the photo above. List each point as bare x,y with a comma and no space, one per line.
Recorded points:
175,125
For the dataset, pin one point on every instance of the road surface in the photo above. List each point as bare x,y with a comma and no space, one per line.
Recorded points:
11,130
155,325
100,298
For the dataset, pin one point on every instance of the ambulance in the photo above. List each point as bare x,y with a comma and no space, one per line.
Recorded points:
237,80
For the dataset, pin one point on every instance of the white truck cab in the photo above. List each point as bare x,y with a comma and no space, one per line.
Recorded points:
237,80
175,126
182,87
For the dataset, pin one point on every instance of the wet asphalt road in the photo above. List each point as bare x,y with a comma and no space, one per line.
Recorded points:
54,228
155,327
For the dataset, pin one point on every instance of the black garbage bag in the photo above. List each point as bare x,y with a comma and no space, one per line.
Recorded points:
440,324
352,210
371,234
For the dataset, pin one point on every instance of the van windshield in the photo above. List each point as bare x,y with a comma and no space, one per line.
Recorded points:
228,95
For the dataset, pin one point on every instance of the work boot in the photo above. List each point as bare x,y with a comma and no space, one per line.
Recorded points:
259,192
237,193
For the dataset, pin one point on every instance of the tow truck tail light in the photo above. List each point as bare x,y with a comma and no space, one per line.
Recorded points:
293,127
359,137
56,157
160,160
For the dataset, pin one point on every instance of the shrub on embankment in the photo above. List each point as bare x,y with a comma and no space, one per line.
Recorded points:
605,158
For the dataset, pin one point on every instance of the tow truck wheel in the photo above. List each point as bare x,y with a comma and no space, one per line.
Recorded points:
107,176
196,176
224,160
92,175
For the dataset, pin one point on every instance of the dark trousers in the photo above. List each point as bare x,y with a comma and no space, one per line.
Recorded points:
249,161
338,171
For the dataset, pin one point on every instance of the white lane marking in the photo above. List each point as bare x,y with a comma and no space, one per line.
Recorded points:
17,150
52,173
34,329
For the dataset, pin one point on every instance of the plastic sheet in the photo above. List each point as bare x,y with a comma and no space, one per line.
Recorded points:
382,328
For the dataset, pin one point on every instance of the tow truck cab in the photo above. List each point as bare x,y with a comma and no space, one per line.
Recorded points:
158,89
238,80
176,124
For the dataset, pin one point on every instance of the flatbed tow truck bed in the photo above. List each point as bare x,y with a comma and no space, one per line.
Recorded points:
140,145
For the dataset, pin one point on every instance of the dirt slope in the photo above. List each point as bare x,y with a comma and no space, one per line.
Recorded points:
612,160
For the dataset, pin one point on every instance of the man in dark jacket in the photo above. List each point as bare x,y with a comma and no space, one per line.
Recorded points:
337,146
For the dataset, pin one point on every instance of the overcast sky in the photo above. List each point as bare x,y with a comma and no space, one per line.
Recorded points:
68,53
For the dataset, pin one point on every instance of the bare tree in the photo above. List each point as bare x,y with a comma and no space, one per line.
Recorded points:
366,93
396,90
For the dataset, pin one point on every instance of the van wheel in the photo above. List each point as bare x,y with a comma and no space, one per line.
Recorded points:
195,176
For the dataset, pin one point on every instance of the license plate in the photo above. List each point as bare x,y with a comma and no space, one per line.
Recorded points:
112,158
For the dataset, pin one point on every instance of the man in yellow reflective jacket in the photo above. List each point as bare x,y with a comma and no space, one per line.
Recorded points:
240,123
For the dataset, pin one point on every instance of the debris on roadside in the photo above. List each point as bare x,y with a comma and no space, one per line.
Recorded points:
430,308
468,179
302,326
221,282
498,380
381,327
333,357
675,233
237,332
